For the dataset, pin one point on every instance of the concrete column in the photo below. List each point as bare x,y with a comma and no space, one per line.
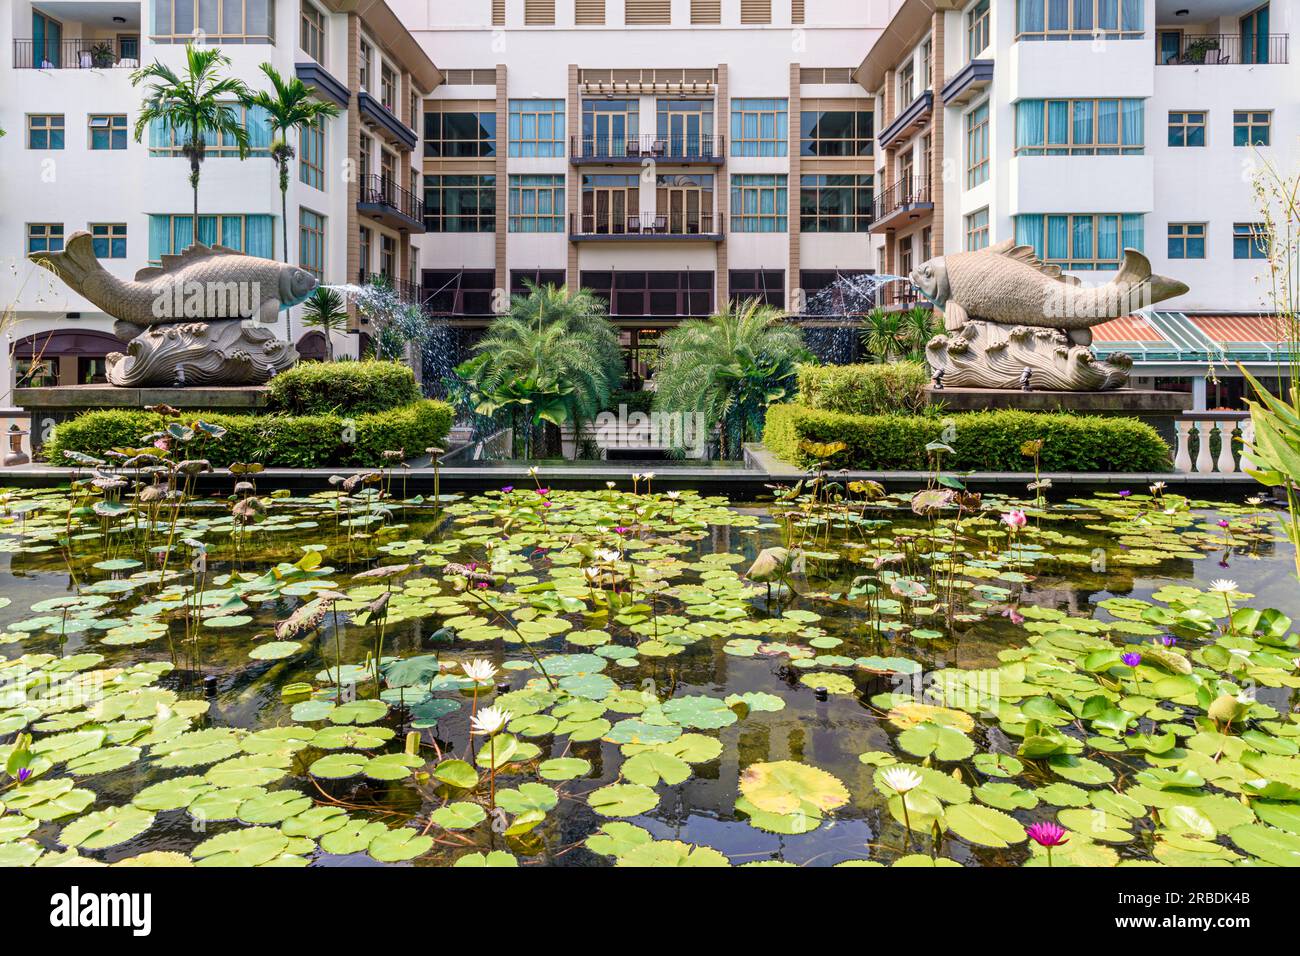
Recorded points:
573,179
936,132
722,194
1198,393
353,121
502,280
792,191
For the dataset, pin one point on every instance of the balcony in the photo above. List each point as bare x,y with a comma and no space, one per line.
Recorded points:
1224,49
105,54
685,149
704,227
382,200
898,204
377,116
912,117
408,292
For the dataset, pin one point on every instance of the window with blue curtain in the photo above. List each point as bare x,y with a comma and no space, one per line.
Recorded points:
1254,36
166,140
1082,127
1029,124
536,128
758,203
172,233
1078,19
1081,242
759,127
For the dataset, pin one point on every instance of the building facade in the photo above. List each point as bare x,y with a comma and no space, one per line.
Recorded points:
1082,127
70,160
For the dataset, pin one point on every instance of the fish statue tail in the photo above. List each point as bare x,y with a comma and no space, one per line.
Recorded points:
1135,272
75,264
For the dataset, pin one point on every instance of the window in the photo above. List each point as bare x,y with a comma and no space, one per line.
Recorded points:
759,128
536,204
250,234
108,132
312,39
459,132
653,293
927,243
766,285
311,154
1249,240
1079,127
1187,240
684,127
108,239
684,204
835,132
607,202
977,29
521,278
609,127
388,87
459,291
1251,127
1254,37
1078,19
537,128
646,12
365,150
835,203
365,65
311,242
758,203
45,131
242,21
977,230
1081,241
977,146
387,256
906,82
413,118
927,64
1187,129
366,243
165,140
44,237
460,203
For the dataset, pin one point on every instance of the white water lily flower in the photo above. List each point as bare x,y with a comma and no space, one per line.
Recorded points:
1223,586
1255,500
648,475
636,476
592,574
532,470
673,495
479,671
489,721
609,485
901,779
608,556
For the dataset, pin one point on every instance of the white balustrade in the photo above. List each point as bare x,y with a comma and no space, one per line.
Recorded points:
1206,462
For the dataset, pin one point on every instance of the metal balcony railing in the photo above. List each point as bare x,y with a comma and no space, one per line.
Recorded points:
684,147
382,191
1224,49
907,192
646,224
406,291
76,54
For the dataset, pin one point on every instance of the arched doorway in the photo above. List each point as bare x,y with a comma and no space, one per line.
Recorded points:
311,347
63,357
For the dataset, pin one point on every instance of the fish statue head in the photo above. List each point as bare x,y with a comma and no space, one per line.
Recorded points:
931,277
295,285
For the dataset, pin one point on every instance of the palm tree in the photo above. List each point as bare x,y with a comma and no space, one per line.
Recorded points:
882,334
918,327
553,356
729,367
194,104
324,310
290,107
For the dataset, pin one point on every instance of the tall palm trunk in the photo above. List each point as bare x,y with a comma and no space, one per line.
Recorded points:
284,227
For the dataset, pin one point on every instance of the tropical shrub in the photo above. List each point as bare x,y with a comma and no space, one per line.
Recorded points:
320,388
865,389
553,358
297,441
729,367
985,441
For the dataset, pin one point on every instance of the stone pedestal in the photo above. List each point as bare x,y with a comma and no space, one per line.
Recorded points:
1158,409
50,406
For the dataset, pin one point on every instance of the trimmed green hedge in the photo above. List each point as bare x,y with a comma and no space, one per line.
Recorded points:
287,441
350,388
871,389
982,441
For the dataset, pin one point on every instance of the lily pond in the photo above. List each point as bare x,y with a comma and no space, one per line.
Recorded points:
837,676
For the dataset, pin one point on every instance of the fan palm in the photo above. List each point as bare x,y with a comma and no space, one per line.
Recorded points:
553,355
882,334
729,367
195,103
324,310
289,107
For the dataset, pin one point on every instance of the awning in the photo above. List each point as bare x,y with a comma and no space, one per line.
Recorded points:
67,342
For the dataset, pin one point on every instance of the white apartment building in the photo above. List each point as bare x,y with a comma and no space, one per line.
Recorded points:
668,154
1080,127
69,160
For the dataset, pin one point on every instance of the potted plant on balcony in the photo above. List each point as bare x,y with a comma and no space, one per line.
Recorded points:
102,55
1197,49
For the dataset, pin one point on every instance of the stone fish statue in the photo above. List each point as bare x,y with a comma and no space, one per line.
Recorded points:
1006,311
188,320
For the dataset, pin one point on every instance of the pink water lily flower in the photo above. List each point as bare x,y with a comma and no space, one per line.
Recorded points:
1015,519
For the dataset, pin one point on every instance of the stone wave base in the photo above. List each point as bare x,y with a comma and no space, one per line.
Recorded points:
988,355
225,352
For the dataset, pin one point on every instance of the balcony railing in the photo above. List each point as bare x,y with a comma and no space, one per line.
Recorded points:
406,291
651,224
904,194
76,54
1224,49
382,191
684,147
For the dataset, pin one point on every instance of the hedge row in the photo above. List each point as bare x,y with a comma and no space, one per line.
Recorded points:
350,388
288,441
983,441
875,389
